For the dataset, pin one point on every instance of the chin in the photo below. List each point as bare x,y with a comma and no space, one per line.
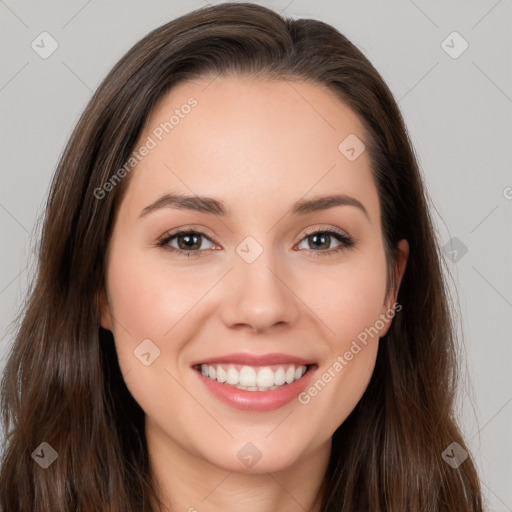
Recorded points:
256,457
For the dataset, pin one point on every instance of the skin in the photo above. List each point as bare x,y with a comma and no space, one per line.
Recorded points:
259,146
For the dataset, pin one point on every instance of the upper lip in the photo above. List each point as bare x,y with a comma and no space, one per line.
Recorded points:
256,360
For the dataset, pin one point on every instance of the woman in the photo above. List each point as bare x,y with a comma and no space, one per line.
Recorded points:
239,302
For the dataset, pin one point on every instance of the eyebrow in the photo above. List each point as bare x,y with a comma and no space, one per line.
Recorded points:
214,206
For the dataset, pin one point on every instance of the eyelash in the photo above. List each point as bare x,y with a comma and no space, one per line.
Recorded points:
346,241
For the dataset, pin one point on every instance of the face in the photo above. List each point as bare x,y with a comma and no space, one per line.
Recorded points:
268,280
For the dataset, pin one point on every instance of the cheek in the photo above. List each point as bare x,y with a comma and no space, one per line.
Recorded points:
348,298
349,302
150,298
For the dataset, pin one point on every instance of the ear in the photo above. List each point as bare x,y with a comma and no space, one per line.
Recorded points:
402,255
104,310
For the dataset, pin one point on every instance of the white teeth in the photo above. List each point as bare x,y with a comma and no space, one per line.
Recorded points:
265,378
222,376
247,376
233,377
254,378
279,377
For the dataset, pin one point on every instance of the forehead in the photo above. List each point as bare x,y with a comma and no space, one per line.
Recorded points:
251,141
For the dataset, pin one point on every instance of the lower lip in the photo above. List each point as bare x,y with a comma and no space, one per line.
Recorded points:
258,401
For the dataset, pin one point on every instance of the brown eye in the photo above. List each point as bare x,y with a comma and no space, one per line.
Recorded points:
189,242
321,241
185,241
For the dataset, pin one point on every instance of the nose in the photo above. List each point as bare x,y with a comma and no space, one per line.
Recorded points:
258,296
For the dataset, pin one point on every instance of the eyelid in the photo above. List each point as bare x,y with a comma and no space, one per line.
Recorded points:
328,229
188,229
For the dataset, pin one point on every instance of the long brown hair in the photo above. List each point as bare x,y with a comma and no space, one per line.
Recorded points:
62,384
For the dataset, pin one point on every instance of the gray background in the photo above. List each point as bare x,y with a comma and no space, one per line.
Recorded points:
458,112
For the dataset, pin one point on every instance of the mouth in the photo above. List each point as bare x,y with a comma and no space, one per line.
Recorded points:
255,383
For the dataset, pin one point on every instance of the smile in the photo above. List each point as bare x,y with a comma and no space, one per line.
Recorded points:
253,378
255,383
